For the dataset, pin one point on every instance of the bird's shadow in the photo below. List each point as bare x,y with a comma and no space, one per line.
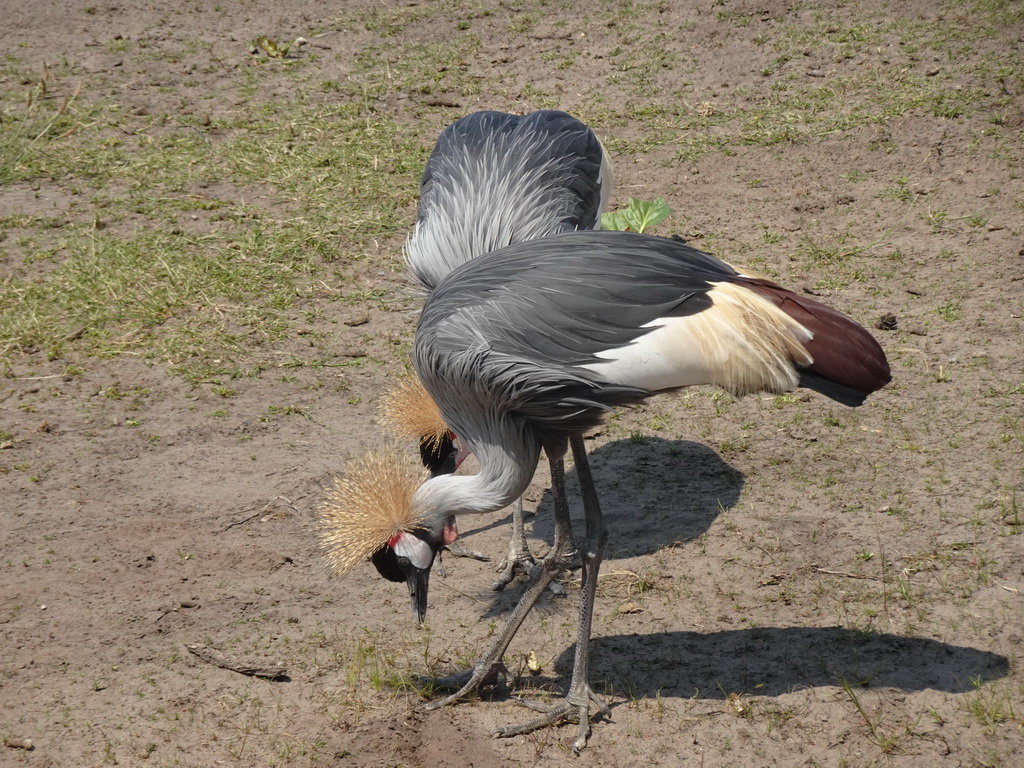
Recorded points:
653,492
656,492
771,661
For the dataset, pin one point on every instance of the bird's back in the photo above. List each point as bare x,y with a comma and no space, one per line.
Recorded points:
559,330
494,179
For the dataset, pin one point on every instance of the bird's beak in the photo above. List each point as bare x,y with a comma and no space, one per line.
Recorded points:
409,557
417,580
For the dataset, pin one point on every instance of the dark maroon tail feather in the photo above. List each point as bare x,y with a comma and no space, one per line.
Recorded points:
848,363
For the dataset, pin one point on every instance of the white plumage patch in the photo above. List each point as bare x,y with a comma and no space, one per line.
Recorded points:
742,343
412,548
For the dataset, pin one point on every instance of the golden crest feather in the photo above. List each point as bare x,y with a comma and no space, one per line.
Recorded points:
366,506
406,410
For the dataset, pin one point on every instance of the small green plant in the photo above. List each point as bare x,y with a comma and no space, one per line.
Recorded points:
936,220
1011,513
950,311
888,742
900,192
637,216
288,410
989,706
268,47
945,106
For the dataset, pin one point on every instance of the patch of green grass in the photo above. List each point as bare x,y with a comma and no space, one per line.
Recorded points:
110,294
288,410
950,311
900,192
990,705
823,253
195,300
28,132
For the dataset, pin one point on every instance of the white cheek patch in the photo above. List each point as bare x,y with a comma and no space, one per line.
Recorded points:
414,549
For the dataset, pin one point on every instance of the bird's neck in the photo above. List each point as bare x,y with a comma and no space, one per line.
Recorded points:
506,469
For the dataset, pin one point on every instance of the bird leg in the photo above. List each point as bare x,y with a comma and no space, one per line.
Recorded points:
563,556
455,549
576,706
518,559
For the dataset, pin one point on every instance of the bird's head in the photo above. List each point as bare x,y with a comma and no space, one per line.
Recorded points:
372,512
406,410
408,556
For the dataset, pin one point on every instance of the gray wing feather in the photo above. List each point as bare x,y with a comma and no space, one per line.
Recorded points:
495,179
563,299
510,329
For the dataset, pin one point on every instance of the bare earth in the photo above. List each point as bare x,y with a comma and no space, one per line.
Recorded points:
791,583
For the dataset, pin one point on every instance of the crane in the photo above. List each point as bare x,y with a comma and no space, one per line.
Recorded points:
493,179
528,347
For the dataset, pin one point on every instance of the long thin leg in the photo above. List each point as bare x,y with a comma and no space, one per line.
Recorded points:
518,559
578,700
561,557
580,692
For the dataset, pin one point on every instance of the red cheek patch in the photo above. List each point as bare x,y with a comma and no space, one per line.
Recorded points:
450,532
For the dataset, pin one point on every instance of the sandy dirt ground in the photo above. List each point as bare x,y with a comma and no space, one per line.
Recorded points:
790,582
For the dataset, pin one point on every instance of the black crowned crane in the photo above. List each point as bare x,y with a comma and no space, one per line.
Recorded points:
529,347
492,179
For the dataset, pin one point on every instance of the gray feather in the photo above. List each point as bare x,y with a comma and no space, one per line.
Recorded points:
495,179
505,334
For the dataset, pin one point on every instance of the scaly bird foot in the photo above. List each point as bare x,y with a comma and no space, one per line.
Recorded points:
464,683
514,564
457,550
520,561
575,708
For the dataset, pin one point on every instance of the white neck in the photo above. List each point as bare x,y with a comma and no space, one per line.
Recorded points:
506,469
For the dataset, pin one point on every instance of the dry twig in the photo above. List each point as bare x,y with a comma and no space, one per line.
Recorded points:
254,515
843,573
222,660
